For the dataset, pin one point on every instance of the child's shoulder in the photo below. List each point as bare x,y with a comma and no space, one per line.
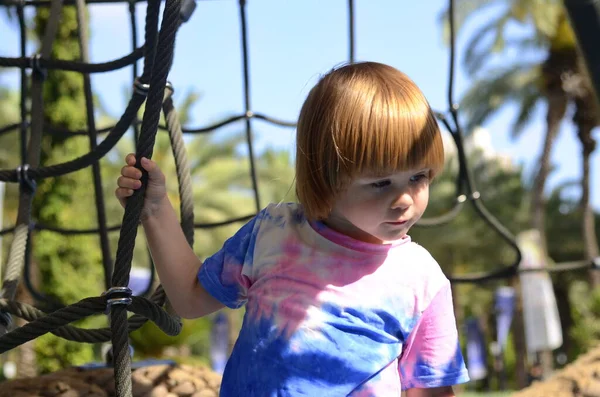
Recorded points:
420,254
281,214
425,267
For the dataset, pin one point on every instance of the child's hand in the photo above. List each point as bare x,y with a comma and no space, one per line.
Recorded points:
129,181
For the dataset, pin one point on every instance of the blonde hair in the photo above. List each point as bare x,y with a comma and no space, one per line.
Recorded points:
361,118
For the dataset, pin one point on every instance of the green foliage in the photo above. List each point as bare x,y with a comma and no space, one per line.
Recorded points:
149,341
54,354
585,305
69,267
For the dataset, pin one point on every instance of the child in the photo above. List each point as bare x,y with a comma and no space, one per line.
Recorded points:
339,301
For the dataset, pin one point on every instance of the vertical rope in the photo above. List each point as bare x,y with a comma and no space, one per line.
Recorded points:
93,136
164,57
135,126
25,238
134,69
247,108
23,99
182,167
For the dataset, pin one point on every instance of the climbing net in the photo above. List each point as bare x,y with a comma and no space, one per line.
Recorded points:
152,88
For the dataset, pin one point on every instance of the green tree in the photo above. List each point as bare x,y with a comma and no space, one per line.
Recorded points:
69,268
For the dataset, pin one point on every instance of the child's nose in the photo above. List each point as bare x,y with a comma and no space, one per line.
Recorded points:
402,200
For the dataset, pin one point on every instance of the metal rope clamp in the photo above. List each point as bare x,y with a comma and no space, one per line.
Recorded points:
169,86
23,179
123,297
141,88
36,68
5,320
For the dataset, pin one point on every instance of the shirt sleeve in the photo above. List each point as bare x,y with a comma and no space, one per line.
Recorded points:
226,274
432,356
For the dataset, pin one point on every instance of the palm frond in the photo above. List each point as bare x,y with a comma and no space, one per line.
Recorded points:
463,10
528,102
498,88
478,50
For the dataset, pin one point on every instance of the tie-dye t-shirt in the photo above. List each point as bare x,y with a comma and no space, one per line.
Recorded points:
327,315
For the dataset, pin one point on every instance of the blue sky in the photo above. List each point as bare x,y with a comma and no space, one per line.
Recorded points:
291,43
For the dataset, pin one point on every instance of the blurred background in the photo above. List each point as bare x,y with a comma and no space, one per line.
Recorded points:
527,113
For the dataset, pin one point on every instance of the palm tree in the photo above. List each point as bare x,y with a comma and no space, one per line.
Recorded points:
586,117
558,80
526,83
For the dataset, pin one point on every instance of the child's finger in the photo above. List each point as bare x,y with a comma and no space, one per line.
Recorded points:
122,195
130,159
128,183
131,172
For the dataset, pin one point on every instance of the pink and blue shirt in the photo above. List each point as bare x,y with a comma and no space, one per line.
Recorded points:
327,315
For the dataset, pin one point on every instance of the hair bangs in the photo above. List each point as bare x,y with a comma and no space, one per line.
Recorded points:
386,131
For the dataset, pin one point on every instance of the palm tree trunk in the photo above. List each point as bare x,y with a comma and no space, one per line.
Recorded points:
557,105
585,118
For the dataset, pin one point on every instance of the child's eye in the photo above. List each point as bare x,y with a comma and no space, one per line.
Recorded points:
380,184
419,177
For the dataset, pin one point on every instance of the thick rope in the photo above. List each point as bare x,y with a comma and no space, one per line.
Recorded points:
60,319
15,264
182,166
63,132
133,209
73,66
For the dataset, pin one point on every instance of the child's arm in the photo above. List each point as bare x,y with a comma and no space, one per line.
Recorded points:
432,392
431,361
177,264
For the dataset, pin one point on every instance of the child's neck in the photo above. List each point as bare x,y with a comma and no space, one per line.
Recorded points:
343,226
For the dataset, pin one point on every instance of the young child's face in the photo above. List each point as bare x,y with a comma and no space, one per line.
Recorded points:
381,209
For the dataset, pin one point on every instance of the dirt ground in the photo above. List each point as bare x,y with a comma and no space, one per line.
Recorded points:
579,379
153,381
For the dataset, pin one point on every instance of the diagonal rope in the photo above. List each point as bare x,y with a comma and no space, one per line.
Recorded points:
182,166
